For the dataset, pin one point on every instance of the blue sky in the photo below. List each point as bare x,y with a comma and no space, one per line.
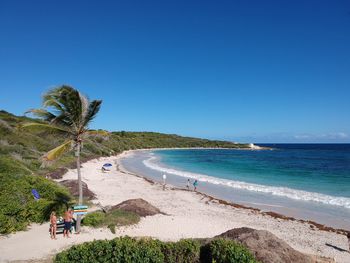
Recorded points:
260,71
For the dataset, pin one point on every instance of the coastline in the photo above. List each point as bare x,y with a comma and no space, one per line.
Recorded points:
189,215
275,215
294,202
252,147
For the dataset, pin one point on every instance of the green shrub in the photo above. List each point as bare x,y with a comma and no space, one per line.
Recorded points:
226,251
110,219
183,251
121,218
119,250
112,228
126,249
17,205
94,219
115,217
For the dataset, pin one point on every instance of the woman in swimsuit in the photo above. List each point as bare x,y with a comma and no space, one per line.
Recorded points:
53,226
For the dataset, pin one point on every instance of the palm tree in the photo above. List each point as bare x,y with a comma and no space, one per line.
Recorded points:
68,112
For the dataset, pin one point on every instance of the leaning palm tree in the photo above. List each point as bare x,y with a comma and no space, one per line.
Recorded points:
68,112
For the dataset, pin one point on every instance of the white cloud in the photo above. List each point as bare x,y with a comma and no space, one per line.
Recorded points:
324,136
302,136
342,135
331,137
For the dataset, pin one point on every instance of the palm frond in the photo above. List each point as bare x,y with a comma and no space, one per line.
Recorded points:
84,108
70,98
51,102
42,114
58,151
65,101
51,99
67,111
94,108
44,127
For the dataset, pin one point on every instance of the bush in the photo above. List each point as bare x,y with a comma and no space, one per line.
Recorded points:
110,219
121,218
112,228
17,205
226,251
94,219
126,249
183,251
119,250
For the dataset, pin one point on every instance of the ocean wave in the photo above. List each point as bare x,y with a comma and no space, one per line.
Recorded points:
273,190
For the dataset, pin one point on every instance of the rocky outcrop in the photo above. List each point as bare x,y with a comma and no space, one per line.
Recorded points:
268,248
72,186
137,206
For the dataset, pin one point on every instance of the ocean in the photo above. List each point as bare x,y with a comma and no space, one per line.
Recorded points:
306,181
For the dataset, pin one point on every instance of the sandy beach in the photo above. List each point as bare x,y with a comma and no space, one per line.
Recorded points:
189,215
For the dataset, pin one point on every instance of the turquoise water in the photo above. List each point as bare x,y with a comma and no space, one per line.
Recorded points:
295,171
304,181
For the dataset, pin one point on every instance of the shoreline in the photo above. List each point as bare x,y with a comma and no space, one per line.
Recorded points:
188,215
275,215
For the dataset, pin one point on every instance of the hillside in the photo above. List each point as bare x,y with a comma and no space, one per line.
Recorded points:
21,171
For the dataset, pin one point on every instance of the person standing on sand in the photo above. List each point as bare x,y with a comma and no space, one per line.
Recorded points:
53,225
164,179
195,184
188,184
68,216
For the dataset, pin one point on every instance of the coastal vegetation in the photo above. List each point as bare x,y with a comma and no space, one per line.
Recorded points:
68,113
126,249
17,205
21,170
110,219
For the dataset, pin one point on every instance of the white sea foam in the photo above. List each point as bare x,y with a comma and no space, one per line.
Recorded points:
273,190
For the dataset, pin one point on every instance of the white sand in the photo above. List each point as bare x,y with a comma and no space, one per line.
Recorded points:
190,216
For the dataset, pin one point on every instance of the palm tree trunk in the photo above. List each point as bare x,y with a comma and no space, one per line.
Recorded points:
80,185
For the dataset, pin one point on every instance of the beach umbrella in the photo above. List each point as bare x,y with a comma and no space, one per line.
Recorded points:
107,165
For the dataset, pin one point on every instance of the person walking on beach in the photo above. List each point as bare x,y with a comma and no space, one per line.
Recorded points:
68,217
164,181
188,184
53,225
195,184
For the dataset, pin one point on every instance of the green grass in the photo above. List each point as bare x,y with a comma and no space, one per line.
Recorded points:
110,219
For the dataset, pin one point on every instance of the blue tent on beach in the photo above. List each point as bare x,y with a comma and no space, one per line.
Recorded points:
107,165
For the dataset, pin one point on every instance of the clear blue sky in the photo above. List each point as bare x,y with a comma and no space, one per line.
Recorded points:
261,71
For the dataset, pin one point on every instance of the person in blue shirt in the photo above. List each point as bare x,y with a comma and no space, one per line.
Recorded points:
195,184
